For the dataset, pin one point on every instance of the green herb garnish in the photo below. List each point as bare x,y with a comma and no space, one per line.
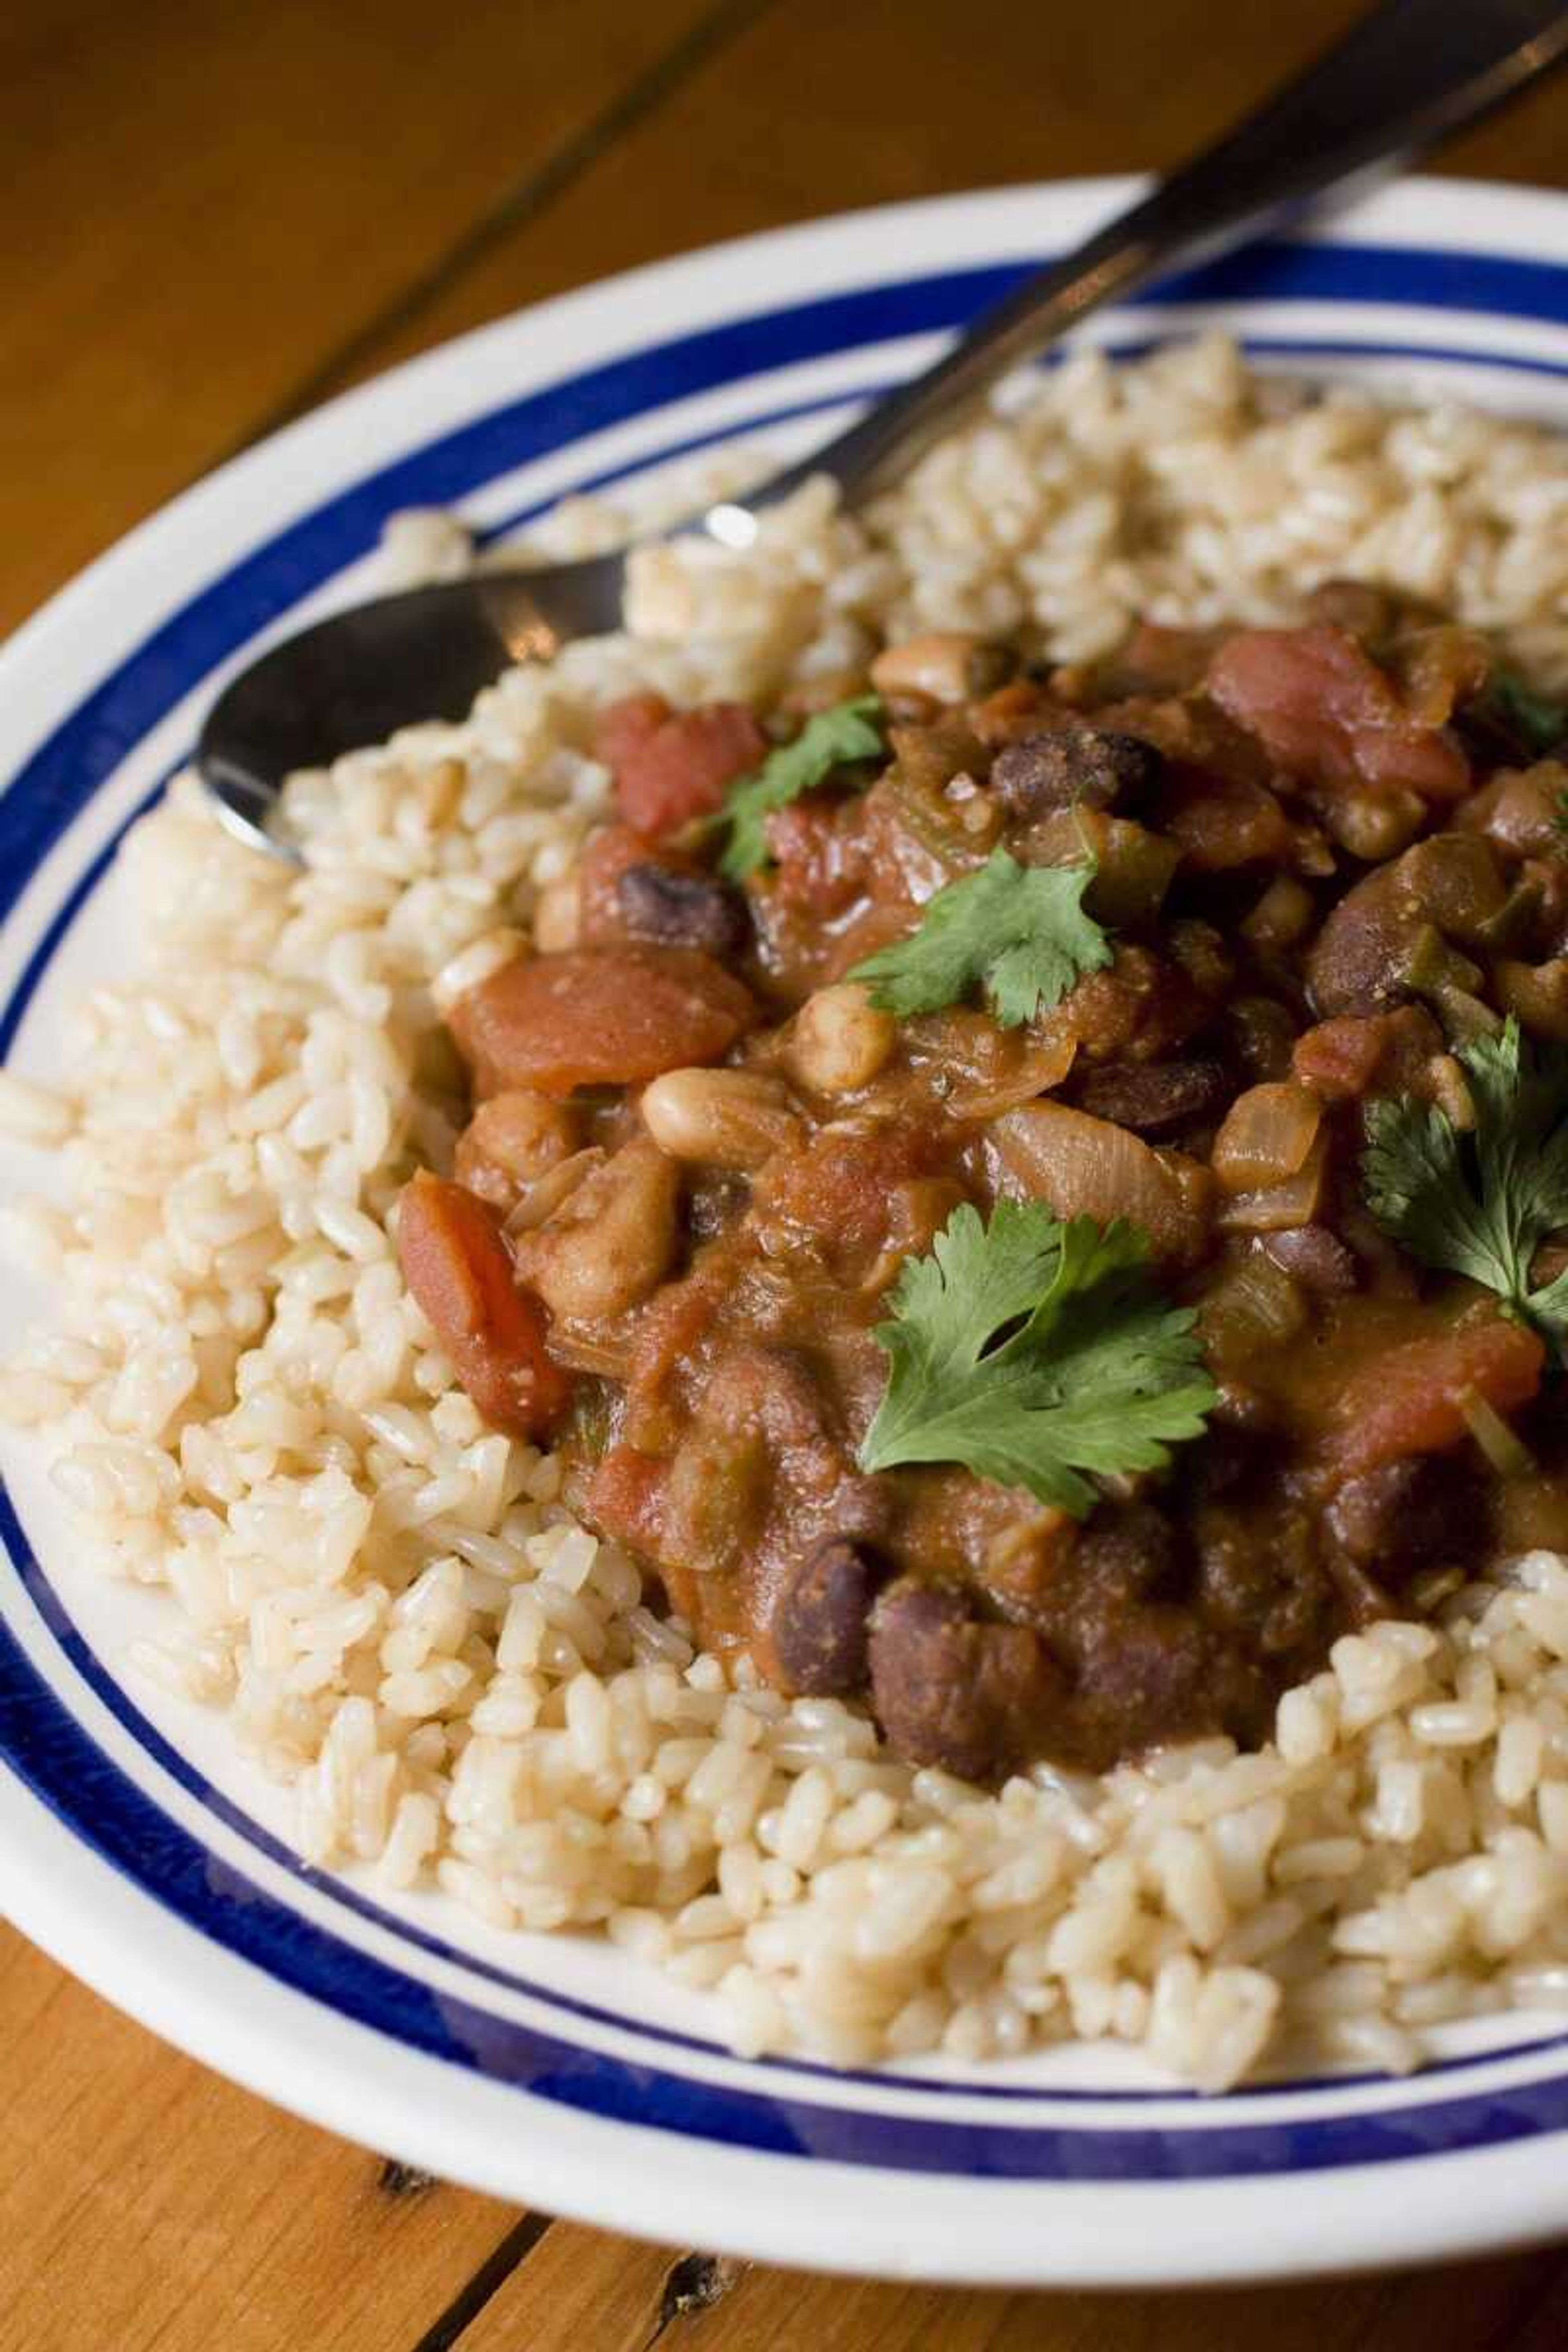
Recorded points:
1534,721
1481,1203
1033,1352
827,741
1019,932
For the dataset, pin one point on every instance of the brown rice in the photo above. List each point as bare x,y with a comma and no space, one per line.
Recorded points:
389,1601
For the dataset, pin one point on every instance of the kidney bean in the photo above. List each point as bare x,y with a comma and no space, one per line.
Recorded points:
1086,767
1153,1097
819,1618
953,1690
672,910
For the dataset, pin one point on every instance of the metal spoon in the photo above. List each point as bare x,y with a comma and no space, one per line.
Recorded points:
1404,75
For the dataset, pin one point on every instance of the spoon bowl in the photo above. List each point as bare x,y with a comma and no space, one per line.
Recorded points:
356,676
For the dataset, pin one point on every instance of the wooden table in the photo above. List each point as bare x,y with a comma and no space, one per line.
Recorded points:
214,214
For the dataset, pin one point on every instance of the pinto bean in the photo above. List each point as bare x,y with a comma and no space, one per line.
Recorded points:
840,1040
614,1016
511,1141
950,1689
1086,767
457,1268
719,1118
819,1618
611,1241
1153,1097
1446,887
1221,823
672,910
945,664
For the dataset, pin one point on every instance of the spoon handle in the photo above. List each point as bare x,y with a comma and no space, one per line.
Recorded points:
1404,75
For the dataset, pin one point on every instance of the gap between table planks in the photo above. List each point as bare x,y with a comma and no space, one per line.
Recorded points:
227,212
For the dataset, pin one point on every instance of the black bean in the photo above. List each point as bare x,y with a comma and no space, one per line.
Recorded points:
672,910
1151,1097
1088,767
1315,1258
819,1618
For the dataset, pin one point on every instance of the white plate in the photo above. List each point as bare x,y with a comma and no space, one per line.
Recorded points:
132,1844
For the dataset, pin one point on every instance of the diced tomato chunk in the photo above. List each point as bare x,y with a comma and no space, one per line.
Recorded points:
1340,1058
673,766
624,1494
819,853
1411,1399
458,1269
622,728
1327,715
607,1017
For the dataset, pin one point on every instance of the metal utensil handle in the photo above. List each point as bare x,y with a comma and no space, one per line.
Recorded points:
1402,76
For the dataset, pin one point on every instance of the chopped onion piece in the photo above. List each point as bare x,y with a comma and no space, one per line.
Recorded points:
539,1201
1087,1167
1509,1455
1267,1133
1273,1207
1038,1070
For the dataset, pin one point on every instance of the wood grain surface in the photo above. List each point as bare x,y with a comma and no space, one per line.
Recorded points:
214,213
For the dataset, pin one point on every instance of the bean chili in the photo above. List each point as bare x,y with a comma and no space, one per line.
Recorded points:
701,1153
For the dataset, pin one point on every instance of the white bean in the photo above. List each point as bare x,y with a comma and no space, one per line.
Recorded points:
611,1242
940,663
840,1040
723,1118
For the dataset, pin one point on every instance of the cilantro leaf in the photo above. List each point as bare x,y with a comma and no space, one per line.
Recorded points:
1032,1351
1481,1204
829,739
1534,721
1018,932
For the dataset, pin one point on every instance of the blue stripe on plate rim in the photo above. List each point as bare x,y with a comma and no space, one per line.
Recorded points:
41,1740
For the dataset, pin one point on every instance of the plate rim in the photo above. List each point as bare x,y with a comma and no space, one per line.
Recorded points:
311,437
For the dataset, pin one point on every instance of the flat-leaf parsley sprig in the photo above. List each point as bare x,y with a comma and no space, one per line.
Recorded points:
1018,932
1537,722
1481,1203
831,739
1034,1352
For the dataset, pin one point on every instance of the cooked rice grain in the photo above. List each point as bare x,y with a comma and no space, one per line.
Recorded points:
390,1602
